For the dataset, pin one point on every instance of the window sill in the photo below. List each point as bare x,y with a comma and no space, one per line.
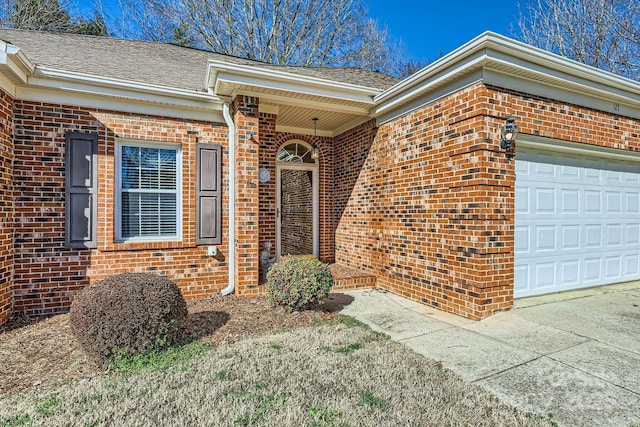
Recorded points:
137,245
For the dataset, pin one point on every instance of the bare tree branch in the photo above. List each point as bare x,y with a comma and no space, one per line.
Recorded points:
292,32
601,33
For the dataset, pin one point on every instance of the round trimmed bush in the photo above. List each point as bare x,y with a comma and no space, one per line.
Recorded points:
298,283
127,314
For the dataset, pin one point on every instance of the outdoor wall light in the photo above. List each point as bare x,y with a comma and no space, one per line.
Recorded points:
315,151
508,134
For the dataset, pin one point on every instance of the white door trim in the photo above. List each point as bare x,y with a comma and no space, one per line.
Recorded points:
316,203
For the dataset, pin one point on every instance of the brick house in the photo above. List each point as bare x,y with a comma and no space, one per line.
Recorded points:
123,155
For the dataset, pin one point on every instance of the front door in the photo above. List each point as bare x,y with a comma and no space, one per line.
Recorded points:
297,210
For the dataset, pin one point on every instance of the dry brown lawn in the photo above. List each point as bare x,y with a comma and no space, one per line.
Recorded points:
266,367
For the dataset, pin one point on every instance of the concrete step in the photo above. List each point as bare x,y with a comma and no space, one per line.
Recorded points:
349,278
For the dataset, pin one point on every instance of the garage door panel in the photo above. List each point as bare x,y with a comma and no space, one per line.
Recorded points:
592,270
577,222
631,265
613,236
545,276
545,201
612,269
569,172
522,200
544,169
631,178
545,240
632,234
570,237
633,202
614,202
521,279
570,201
593,234
569,272
592,202
522,239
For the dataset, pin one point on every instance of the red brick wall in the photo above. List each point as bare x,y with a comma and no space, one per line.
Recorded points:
6,207
425,202
428,203
46,273
426,210
553,119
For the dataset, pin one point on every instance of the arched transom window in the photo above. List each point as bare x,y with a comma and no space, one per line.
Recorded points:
295,152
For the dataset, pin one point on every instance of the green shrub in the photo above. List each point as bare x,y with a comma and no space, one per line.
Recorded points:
298,283
127,314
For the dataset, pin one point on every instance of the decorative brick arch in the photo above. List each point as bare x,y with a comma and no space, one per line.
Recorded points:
270,142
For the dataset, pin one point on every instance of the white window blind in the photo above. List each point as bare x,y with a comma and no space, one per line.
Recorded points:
149,196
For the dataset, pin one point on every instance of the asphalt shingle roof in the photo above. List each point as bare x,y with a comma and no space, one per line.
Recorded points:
154,62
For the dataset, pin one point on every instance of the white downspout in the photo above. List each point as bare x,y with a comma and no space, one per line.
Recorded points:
232,200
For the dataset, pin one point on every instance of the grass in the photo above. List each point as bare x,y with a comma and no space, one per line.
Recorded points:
288,378
158,360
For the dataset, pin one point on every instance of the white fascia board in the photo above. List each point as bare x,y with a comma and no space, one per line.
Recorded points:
13,57
15,67
452,59
434,94
129,105
490,48
279,80
435,78
56,79
553,62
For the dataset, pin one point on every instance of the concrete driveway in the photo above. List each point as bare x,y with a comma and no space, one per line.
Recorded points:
574,355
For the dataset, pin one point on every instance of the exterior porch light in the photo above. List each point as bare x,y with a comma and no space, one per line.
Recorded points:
508,134
315,151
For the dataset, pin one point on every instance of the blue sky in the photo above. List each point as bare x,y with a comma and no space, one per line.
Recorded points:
430,29
427,28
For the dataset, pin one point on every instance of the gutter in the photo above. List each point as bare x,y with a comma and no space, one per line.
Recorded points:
232,201
52,78
219,72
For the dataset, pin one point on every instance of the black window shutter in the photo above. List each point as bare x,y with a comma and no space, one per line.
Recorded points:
81,190
209,194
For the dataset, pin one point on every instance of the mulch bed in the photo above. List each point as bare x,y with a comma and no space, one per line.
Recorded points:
42,352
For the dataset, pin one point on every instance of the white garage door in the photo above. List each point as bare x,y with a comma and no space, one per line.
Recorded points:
577,222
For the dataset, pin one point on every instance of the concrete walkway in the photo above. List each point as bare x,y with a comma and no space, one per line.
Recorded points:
574,355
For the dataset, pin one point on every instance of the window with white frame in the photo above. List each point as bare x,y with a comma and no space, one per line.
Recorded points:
147,191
